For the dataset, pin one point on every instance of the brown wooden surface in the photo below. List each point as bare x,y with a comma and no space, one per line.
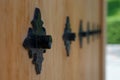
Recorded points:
83,63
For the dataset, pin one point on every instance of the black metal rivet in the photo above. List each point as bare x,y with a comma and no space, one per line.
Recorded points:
37,41
86,33
83,33
68,36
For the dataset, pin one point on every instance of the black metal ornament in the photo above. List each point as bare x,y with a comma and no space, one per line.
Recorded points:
37,41
68,36
93,32
96,31
82,33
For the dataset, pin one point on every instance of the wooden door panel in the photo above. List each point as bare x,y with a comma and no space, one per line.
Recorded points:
15,17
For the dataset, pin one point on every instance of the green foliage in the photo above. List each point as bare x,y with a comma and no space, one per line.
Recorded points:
113,22
113,33
113,7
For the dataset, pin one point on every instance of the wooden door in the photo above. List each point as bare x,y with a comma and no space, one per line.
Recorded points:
83,63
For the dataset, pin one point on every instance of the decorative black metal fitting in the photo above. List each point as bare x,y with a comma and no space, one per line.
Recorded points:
37,41
97,31
68,36
93,31
83,33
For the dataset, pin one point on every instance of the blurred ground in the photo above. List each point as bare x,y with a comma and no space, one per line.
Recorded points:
113,62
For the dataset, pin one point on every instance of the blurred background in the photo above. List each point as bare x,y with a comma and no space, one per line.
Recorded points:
113,21
113,40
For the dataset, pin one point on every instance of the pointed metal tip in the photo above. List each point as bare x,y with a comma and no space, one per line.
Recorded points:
81,23
68,55
81,26
37,9
68,52
37,13
67,19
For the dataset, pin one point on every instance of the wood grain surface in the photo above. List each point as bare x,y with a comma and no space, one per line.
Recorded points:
83,64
